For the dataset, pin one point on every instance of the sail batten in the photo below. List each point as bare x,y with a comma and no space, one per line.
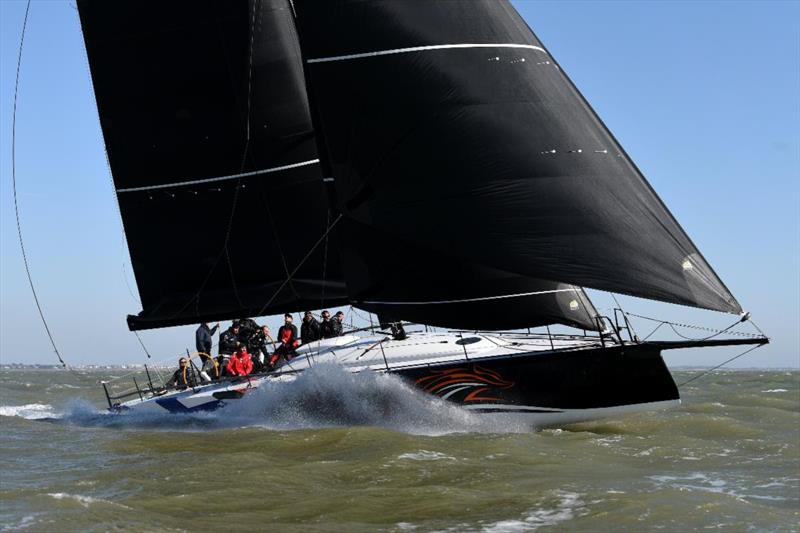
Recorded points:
219,178
422,49
467,300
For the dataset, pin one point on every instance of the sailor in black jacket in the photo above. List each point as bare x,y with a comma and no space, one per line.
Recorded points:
261,345
228,343
183,377
327,329
203,343
338,326
309,330
203,338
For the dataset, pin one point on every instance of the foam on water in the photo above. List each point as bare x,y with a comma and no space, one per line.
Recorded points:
24,523
84,501
323,396
567,507
30,411
327,395
699,481
425,455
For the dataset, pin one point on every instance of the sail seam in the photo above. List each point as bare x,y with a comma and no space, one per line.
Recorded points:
423,49
484,298
220,178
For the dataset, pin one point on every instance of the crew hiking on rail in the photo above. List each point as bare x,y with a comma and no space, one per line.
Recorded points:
246,348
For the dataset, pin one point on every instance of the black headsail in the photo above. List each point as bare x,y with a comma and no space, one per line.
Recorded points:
450,128
203,109
399,280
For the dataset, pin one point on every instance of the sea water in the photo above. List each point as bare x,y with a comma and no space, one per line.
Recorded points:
341,452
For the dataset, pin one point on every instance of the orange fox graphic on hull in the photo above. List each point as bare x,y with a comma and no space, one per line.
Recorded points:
478,382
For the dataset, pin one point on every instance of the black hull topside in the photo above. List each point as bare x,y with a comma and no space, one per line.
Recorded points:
593,378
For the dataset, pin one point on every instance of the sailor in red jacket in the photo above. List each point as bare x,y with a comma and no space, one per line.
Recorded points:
287,341
240,364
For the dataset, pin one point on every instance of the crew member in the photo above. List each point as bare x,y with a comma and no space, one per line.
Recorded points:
240,363
338,323
287,341
203,343
247,330
326,329
183,377
309,330
228,343
261,345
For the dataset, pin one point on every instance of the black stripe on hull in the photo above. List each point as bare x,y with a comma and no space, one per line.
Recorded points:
582,379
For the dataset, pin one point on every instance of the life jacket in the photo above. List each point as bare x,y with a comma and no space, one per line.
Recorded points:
287,336
240,364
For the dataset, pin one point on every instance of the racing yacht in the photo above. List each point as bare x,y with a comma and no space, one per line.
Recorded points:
429,162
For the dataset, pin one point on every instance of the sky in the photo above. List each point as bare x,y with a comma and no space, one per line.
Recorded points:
704,96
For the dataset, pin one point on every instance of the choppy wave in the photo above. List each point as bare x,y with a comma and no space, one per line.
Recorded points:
726,459
699,481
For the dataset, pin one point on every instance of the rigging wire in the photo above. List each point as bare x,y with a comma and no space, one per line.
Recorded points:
756,326
708,371
715,332
276,236
300,264
138,338
130,290
14,188
325,263
256,6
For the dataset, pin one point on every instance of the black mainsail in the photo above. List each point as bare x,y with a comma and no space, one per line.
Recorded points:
204,111
450,128
207,130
